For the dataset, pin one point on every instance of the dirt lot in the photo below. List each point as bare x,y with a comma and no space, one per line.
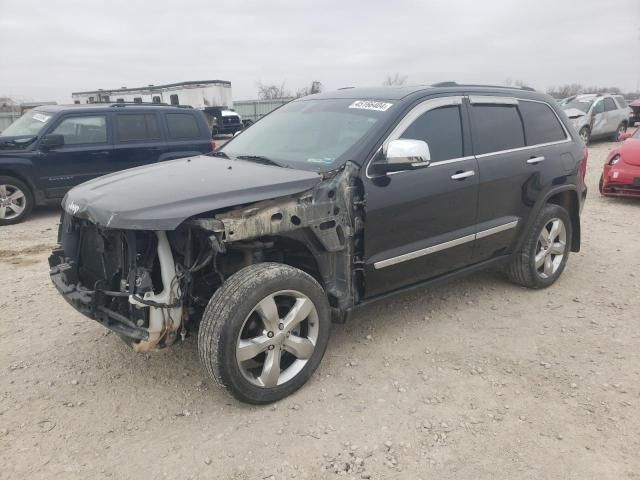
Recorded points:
473,380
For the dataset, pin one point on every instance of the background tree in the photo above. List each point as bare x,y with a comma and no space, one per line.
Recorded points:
395,80
272,92
316,87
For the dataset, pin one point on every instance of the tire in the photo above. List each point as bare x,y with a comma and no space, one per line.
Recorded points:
619,131
585,134
237,323
16,200
523,270
601,185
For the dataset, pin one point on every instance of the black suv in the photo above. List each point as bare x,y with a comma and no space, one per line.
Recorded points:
330,202
53,148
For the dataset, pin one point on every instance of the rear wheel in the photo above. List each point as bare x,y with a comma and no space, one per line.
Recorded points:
16,200
264,332
585,135
619,131
545,251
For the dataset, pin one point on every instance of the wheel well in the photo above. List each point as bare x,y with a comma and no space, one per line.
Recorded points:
569,201
297,255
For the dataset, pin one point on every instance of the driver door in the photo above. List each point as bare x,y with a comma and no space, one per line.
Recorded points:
598,118
420,223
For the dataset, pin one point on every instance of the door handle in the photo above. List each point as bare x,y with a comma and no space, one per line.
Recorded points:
535,160
463,175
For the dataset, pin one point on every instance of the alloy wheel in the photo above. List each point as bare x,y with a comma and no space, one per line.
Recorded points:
277,338
551,248
12,202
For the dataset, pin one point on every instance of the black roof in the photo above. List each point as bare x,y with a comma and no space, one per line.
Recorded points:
153,87
399,93
105,106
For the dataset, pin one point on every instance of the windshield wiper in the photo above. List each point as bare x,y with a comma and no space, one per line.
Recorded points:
217,153
261,159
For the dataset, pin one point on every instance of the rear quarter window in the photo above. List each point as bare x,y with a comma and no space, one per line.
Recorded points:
540,123
182,125
496,128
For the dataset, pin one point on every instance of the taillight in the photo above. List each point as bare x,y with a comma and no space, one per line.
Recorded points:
583,167
213,146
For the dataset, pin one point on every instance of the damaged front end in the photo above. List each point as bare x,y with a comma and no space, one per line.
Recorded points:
151,286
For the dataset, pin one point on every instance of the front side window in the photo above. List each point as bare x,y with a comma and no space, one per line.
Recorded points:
182,125
540,123
496,128
441,128
143,126
28,124
83,130
609,104
598,107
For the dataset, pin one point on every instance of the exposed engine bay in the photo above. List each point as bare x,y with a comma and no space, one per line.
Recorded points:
151,286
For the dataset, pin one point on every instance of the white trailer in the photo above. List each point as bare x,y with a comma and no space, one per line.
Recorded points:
199,94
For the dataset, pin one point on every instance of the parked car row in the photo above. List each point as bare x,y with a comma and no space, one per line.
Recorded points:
52,148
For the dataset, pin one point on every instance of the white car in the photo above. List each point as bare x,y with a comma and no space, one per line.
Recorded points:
598,115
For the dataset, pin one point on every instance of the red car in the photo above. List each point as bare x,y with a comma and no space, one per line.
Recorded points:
621,173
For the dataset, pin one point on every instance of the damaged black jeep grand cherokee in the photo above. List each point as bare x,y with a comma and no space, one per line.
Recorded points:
332,201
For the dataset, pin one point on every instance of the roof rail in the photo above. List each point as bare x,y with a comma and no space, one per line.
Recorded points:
147,104
455,84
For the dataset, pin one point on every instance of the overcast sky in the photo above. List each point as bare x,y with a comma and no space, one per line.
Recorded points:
49,49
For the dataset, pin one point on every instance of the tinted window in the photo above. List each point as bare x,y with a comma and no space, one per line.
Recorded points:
137,99
78,130
441,129
540,123
496,128
182,125
609,104
174,99
137,127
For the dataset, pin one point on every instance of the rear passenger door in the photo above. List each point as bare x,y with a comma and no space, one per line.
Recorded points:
520,146
138,140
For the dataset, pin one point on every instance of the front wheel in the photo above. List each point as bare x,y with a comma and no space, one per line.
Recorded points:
545,251
585,135
619,131
264,332
16,201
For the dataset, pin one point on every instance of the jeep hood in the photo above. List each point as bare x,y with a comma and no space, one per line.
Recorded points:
163,195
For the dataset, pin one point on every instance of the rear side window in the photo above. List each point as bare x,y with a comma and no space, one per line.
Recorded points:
441,129
609,104
143,126
496,128
83,130
622,102
540,123
182,125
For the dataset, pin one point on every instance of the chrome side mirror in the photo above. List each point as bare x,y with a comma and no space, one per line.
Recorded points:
404,154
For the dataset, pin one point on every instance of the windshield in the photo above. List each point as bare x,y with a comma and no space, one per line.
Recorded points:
28,124
309,134
580,103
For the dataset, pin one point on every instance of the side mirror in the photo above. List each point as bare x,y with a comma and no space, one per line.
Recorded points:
237,133
404,154
52,140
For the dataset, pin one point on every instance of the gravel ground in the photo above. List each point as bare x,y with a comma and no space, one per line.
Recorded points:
478,379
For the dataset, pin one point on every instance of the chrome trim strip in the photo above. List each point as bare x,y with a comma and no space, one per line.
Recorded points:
424,251
498,229
453,160
443,246
489,99
521,149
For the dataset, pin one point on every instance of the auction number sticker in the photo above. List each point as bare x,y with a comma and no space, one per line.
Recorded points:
40,117
371,105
